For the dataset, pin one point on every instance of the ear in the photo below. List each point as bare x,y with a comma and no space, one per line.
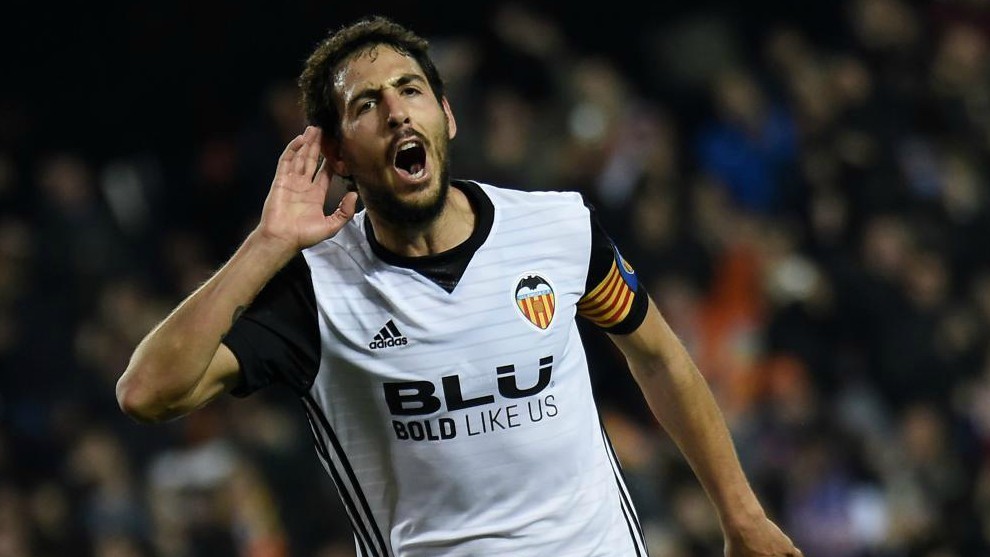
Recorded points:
331,152
451,123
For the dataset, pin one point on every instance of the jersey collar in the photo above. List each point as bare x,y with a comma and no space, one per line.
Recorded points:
445,268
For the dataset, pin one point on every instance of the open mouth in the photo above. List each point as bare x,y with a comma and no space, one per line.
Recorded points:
410,159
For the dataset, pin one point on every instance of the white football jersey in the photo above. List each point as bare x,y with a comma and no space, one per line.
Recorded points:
455,414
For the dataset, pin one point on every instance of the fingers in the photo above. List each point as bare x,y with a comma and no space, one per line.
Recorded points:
305,162
290,153
315,160
299,162
302,154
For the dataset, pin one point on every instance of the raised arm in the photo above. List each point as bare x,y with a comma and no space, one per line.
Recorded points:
182,364
681,400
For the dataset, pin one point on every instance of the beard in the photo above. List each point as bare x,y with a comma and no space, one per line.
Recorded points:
402,214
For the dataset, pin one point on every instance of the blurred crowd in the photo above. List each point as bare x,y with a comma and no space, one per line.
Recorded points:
811,211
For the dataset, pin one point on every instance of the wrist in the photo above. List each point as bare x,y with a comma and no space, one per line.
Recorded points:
262,246
740,517
738,507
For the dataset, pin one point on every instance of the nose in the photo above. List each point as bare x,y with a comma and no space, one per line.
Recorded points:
398,116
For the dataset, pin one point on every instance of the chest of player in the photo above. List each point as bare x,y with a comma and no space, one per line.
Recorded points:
392,334
503,304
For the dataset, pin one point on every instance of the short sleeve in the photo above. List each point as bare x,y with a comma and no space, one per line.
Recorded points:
615,299
277,339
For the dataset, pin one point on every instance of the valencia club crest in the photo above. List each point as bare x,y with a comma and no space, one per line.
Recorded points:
535,300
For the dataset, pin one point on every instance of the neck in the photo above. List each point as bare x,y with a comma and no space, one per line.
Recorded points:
452,227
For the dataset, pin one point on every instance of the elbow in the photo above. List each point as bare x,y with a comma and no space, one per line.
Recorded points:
137,400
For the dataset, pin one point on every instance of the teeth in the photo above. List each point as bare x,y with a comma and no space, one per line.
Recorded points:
409,145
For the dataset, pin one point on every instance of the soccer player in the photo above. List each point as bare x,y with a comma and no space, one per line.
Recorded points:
432,338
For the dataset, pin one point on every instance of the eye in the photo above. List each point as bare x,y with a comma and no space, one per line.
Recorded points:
366,106
410,91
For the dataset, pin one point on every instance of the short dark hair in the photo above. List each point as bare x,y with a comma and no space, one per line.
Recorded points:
316,80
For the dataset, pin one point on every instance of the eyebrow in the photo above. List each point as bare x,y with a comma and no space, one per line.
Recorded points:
373,92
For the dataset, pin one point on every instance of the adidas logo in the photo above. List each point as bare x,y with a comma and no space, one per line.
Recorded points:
388,336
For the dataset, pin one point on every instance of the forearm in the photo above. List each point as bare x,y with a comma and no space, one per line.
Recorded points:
167,368
681,400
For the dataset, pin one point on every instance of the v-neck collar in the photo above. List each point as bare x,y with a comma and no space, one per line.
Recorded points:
445,268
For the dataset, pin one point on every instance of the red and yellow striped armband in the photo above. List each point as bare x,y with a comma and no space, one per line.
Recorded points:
612,300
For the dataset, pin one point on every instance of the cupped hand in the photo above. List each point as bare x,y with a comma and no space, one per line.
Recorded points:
293,213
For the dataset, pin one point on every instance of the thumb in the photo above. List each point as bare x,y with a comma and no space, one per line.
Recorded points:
345,210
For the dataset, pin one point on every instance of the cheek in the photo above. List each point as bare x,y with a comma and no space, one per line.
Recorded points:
360,151
441,132
361,131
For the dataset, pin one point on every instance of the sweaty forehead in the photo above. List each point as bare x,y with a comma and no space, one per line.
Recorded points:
372,67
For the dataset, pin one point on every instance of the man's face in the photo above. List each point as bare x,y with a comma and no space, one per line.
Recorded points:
394,135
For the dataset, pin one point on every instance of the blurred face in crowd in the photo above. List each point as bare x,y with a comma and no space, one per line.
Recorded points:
739,99
394,135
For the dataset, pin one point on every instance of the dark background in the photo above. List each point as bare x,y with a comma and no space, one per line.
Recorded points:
115,78
804,187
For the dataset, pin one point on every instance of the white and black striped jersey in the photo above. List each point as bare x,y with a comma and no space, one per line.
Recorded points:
449,395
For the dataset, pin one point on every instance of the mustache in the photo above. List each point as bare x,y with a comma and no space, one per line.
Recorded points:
405,134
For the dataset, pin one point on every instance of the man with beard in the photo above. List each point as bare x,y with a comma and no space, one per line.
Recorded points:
432,337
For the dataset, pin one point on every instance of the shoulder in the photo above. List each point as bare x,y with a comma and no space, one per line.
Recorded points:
545,222
508,197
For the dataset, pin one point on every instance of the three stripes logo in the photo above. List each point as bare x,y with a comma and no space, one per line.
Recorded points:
387,337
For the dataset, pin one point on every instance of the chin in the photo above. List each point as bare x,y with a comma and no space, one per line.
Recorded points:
418,209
